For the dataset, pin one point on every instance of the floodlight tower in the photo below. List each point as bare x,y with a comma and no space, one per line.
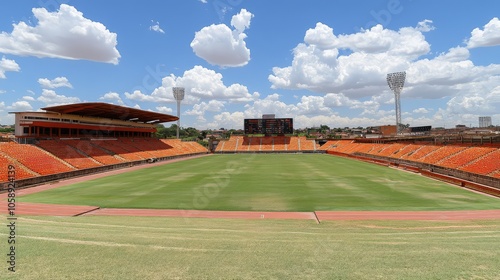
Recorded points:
396,82
179,96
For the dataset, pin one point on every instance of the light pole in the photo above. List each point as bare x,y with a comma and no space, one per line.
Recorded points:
396,83
179,96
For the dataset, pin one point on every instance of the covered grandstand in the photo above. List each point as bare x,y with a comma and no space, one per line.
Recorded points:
77,139
94,119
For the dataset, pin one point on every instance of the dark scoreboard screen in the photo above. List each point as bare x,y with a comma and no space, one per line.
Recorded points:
269,126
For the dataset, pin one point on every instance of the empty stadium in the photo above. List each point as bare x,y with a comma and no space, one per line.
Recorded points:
90,178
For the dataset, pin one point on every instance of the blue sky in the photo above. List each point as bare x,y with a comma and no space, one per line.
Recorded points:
319,62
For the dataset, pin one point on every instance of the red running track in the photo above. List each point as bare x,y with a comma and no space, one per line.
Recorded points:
39,209
409,215
203,214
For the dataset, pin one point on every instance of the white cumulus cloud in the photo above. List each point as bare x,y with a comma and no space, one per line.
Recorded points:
200,109
200,84
55,83
486,37
20,106
318,65
65,33
51,98
112,97
164,109
219,45
8,65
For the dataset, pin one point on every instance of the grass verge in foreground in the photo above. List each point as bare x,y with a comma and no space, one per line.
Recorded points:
177,248
268,182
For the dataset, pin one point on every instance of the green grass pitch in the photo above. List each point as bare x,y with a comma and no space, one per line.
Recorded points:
268,182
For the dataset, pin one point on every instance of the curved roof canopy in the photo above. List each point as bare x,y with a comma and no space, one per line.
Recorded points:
111,111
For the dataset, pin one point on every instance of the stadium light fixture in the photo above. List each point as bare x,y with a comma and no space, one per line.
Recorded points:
396,82
179,96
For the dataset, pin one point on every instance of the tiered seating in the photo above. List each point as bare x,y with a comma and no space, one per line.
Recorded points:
34,158
68,154
306,145
328,145
128,145
487,164
267,144
390,149
347,147
243,145
441,153
21,172
370,148
179,147
294,144
280,143
93,151
118,148
149,147
481,160
220,146
423,151
406,151
194,148
58,156
231,143
254,143
466,156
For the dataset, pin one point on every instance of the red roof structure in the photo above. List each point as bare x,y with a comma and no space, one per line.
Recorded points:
111,111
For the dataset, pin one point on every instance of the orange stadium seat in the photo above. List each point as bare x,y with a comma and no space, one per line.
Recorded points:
231,144
389,150
328,145
280,143
441,153
116,147
424,150
489,163
93,151
294,144
21,172
409,149
34,158
254,143
465,157
306,145
267,144
68,154
244,144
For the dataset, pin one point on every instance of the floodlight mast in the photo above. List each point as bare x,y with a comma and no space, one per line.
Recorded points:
179,96
396,83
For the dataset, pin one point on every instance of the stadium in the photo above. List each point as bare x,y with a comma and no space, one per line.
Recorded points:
88,184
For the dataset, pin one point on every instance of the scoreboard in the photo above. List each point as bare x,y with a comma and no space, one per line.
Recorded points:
269,126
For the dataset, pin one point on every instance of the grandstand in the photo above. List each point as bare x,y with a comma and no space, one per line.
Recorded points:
76,139
480,164
277,144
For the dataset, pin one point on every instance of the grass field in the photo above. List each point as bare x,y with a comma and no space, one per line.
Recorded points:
268,182
94,247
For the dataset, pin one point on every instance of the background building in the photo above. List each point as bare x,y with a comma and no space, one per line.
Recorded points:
484,121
